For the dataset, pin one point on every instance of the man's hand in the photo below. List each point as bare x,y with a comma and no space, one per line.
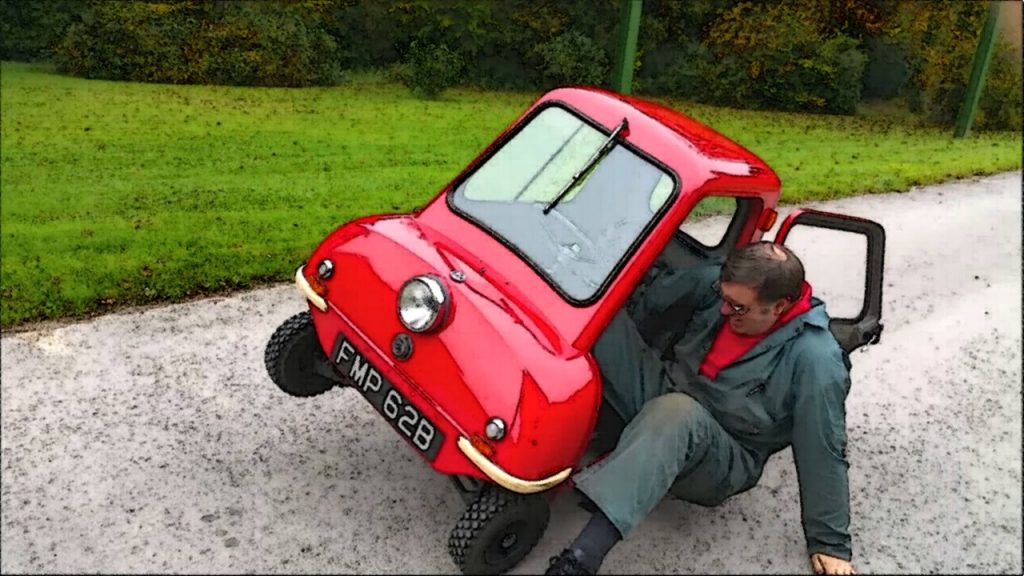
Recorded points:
823,564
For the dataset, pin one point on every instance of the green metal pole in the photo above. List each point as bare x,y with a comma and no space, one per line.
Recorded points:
978,71
630,30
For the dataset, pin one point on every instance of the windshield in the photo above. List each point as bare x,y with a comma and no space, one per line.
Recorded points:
580,242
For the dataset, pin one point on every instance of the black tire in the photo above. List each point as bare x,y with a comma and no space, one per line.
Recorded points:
498,530
295,360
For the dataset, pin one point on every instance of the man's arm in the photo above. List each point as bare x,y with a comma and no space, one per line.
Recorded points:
819,450
668,285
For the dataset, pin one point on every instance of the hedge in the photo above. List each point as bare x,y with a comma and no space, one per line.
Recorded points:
807,55
237,43
30,28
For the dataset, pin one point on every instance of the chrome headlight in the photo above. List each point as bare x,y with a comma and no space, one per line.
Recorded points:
423,303
325,269
495,429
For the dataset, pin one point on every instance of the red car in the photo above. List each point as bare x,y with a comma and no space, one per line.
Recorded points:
468,323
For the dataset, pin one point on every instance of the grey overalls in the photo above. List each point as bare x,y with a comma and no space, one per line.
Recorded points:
705,440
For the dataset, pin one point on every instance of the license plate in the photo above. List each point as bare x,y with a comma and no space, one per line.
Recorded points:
386,399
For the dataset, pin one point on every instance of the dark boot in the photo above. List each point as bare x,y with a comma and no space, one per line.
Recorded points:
567,563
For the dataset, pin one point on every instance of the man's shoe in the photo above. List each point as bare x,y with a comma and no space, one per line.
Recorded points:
567,563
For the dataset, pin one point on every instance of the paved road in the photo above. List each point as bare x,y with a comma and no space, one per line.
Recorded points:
153,441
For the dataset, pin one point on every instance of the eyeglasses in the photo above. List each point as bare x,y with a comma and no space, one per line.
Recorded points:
737,309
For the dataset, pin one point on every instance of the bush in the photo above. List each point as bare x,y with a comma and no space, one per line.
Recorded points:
776,58
131,41
262,46
1001,97
940,39
673,70
503,70
806,55
188,42
492,38
29,29
886,71
429,68
840,68
572,58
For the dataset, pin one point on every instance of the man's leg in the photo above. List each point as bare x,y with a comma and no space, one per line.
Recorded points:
673,437
632,372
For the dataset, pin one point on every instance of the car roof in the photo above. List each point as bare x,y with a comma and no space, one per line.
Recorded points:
708,161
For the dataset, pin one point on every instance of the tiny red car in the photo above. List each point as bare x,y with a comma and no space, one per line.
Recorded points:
468,323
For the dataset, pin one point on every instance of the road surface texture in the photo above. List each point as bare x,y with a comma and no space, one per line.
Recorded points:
152,440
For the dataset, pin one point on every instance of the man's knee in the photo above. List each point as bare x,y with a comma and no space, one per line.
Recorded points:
673,411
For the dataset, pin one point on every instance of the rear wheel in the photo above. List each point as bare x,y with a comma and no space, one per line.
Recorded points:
498,529
295,360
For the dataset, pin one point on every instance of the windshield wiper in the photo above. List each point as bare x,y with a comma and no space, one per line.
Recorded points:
605,147
548,161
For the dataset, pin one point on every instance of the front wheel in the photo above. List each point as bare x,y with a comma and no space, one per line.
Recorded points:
497,530
295,360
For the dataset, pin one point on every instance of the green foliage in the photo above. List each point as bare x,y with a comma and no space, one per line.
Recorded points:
572,58
188,42
673,22
886,71
676,70
30,28
778,57
503,69
429,68
504,44
840,68
940,38
263,45
792,55
1000,105
129,41
673,58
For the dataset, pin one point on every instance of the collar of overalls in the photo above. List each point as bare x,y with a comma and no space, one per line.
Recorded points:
788,327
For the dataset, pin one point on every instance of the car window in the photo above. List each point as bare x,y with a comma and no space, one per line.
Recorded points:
709,220
577,245
533,166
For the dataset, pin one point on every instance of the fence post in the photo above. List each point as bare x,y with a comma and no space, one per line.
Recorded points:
978,71
629,31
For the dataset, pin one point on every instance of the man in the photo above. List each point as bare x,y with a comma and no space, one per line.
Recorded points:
756,369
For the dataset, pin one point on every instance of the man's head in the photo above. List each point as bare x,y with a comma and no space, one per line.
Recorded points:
758,284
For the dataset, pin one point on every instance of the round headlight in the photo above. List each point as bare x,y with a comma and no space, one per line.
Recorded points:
495,429
325,269
422,303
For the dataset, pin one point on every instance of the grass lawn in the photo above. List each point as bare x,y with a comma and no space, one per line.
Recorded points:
116,193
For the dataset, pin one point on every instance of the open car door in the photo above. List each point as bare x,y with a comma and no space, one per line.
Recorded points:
852,330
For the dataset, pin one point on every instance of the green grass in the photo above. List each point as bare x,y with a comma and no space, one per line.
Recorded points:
116,193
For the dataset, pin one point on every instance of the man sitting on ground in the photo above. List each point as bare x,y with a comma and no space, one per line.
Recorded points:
755,370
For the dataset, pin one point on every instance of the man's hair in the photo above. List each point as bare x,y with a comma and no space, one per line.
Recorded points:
771,269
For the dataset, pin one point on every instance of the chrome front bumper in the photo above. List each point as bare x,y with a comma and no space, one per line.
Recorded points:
506,480
307,291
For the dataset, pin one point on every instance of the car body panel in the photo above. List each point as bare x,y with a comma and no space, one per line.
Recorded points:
491,358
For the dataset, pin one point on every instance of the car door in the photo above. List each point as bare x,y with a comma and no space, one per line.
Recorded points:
852,330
